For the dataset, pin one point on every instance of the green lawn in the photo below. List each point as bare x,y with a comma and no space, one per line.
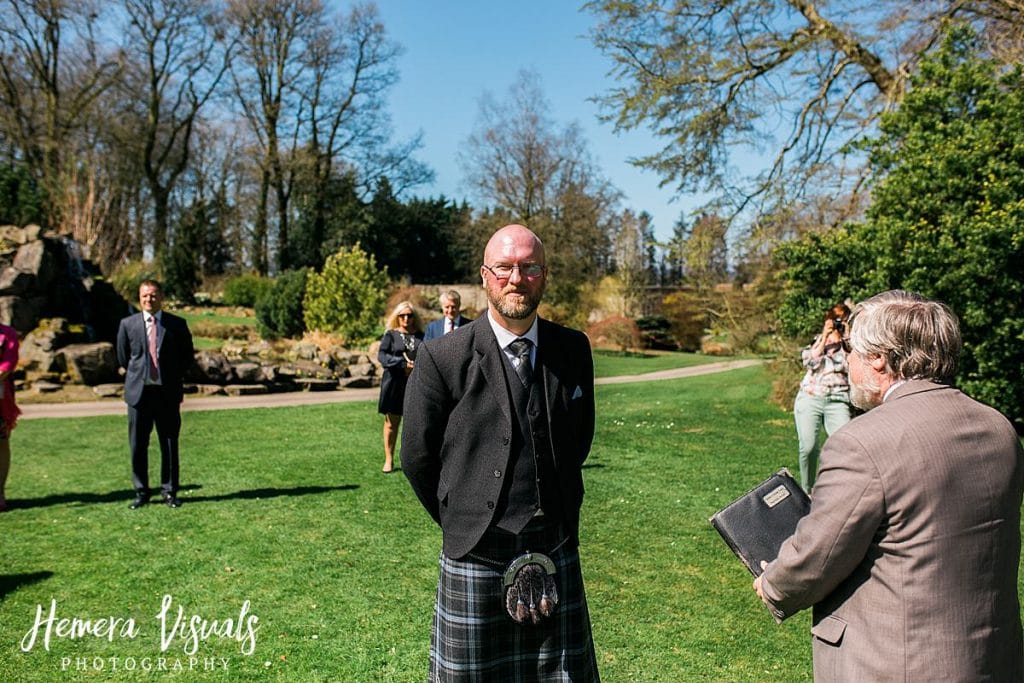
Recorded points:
210,327
286,511
222,316
616,363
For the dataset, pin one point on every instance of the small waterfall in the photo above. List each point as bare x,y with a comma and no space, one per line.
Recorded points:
78,275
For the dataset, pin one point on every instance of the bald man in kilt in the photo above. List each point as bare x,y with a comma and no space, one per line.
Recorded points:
498,421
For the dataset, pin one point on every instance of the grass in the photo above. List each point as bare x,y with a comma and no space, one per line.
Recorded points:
210,327
218,315
286,509
615,363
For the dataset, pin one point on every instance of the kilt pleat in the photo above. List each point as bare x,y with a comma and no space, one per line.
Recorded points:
474,639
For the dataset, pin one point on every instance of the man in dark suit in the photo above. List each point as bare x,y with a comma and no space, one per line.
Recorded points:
498,421
451,307
155,349
910,552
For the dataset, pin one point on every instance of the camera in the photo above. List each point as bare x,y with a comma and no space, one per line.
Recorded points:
839,325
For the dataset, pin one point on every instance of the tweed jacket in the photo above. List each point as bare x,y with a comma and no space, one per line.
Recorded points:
909,554
457,430
174,354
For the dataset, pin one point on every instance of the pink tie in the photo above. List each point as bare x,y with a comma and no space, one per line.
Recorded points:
154,371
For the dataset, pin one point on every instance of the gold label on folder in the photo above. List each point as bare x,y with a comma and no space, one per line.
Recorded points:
776,496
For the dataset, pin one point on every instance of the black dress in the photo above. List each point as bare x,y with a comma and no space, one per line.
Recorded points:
392,385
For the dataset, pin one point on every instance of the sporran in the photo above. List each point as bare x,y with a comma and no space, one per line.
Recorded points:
531,595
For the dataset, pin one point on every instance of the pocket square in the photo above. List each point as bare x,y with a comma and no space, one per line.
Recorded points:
577,393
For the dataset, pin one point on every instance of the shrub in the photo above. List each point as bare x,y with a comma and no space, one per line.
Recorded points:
348,296
279,311
126,278
246,289
687,317
21,198
656,332
617,331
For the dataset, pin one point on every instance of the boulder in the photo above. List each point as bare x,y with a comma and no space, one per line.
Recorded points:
362,370
269,374
245,389
314,384
262,349
34,358
307,368
210,390
304,351
52,333
234,349
14,282
248,373
36,260
19,312
212,367
90,364
44,387
108,390
357,382
341,356
12,235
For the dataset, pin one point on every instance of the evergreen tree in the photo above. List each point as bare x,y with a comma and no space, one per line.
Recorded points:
947,219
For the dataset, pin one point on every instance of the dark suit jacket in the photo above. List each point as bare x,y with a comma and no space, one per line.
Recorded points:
174,354
910,552
457,431
436,328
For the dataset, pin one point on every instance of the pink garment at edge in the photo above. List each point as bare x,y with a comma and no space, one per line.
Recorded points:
8,362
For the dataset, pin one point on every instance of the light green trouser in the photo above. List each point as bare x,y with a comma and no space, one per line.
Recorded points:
810,413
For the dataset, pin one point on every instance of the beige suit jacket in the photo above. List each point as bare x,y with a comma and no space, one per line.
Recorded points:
910,552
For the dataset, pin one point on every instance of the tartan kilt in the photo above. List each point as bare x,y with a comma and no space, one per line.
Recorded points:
474,638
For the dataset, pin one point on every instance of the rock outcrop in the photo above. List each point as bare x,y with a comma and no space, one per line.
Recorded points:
68,315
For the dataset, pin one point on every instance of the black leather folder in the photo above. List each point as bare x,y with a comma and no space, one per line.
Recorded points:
755,524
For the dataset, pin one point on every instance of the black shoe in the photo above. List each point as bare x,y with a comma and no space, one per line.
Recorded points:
172,501
138,502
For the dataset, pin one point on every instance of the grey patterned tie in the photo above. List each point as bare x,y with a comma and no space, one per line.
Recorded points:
521,348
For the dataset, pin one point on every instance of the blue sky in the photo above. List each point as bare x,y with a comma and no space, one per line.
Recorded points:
455,50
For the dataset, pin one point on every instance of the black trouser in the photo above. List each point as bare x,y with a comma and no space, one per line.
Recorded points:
160,408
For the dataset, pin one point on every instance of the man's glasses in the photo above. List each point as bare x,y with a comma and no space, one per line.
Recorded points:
503,271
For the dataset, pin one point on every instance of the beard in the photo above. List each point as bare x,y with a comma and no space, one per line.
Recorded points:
517,308
865,395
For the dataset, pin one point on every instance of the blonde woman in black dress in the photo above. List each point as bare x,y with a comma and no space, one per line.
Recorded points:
396,355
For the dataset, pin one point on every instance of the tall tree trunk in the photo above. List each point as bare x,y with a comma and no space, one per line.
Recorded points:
259,235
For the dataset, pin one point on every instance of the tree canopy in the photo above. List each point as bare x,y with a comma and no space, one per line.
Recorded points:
128,118
785,85
529,169
947,218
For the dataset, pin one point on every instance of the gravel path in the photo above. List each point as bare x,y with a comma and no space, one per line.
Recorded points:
117,407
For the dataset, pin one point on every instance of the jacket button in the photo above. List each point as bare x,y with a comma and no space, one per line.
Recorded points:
497,473
505,441
490,505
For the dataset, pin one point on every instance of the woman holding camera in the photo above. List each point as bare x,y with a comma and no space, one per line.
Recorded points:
396,355
824,396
